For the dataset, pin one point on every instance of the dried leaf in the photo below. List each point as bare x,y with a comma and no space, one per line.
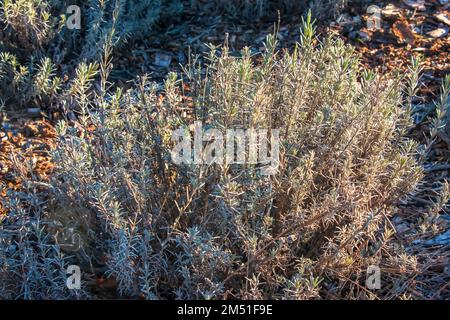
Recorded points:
416,4
438,33
443,17
403,32
391,11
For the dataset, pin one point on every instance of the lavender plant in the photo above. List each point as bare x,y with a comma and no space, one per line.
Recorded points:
164,230
35,83
25,25
32,265
39,26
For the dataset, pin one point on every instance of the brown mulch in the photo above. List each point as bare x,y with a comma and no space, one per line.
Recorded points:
404,32
24,153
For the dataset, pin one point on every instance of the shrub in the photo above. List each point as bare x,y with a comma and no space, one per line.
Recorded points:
134,20
32,266
35,83
34,40
40,25
164,230
25,25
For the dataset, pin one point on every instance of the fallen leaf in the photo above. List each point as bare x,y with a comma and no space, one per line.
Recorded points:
416,4
107,283
391,11
163,60
403,32
443,17
33,112
438,33
363,36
